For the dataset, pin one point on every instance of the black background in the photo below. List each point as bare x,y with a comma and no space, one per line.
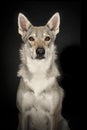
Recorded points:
68,43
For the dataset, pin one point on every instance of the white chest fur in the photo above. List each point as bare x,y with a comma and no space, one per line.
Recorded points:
40,83
47,100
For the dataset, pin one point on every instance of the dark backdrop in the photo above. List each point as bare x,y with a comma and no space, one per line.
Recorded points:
68,43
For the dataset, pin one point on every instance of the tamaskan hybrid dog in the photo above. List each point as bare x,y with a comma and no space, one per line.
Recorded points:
39,96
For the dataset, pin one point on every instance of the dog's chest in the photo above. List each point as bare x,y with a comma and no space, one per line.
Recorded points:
41,83
46,101
43,95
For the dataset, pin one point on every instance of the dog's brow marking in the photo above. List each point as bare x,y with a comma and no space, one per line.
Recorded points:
34,34
44,34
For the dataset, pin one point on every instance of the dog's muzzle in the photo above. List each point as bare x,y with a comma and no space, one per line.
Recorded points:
40,53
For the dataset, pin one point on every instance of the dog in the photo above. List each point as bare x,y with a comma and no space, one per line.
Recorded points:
39,96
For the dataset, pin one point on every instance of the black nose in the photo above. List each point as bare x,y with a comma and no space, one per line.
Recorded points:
40,51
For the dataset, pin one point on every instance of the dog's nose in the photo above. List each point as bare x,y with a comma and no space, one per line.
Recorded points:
40,51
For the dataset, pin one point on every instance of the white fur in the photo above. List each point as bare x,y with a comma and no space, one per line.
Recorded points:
38,83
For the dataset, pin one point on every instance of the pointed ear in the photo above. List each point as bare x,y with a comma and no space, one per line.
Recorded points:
54,23
23,24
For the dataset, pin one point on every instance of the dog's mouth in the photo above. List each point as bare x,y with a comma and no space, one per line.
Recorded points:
40,57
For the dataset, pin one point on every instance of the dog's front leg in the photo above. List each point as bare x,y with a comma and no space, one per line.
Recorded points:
23,122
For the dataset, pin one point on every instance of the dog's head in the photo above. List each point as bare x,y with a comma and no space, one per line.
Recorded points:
39,40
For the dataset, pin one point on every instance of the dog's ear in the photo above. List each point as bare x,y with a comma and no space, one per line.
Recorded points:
23,24
54,23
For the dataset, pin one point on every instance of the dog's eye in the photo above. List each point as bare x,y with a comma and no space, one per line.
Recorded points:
31,38
47,38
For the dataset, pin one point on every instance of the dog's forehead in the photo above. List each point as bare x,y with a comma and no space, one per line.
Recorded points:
40,31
